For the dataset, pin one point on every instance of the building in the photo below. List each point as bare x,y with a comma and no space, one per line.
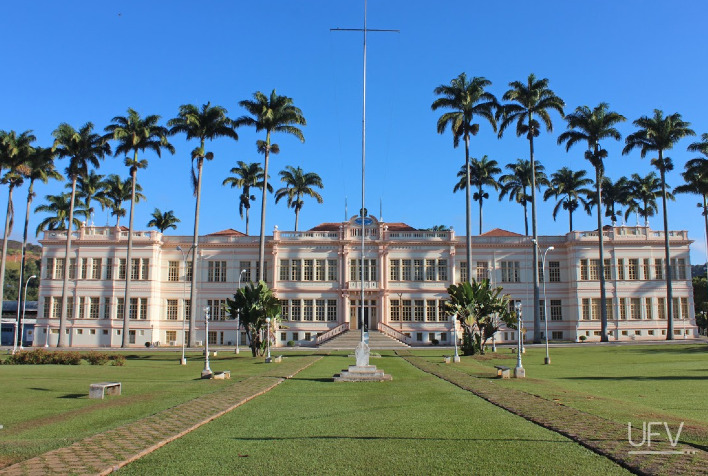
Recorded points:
9,321
316,275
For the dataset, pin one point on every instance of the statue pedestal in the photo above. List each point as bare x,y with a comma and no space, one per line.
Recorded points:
362,371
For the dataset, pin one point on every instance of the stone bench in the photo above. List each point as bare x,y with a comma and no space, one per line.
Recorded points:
451,358
502,371
225,375
277,359
99,390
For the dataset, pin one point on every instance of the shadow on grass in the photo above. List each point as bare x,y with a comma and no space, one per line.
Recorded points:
74,395
696,348
39,389
330,379
401,438
638,378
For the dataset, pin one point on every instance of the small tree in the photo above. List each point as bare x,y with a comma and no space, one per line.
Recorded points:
254,303
480,310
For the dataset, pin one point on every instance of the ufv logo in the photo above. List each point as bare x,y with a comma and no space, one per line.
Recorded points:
648,432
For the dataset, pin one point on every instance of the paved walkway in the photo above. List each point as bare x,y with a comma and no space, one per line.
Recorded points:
106,452
606,437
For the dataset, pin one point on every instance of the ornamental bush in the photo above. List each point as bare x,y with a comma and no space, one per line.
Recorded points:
97,358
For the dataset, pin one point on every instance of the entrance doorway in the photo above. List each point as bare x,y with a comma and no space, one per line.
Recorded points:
369,318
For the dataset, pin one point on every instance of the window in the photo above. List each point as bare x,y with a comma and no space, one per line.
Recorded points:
319,270
212,338
661,307
583,270
646,269
284,270
633,269
407,310
296,336
430,270
586,309
620,269
634,308
658,269
143,308
107,308
145,266
295,310
72,268
70,307
678,268
369,270
623,308
418,270
557,335
173,271
109,268
684,308
463,271
81,307
133,313
431,314
332,270
189,271
295,270
308,269
217,309
121,268
49,267
46,307
542,309
135,269
170,336
56,308
675,311
96,268
442,270
482,270
320,310
172,310
608,268
84,268
244,269
120,308
395,271
541,277
308,309
395,310
406,270
59,268
594,270
216,272
442,316
419,311
187,309
510,271
94,307
556,310
596,309
285,309
554,274
331,309
649,309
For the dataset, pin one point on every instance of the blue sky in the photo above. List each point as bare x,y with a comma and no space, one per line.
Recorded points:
89,61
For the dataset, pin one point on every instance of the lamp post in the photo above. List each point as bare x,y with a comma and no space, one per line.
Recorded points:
519,371
456,357
21,324
268,359
206,373
183,360
238,314
547,360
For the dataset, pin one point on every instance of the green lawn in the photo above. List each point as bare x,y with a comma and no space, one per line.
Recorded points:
415,424
47,406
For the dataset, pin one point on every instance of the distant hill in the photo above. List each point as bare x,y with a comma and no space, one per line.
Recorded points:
17,245
698,270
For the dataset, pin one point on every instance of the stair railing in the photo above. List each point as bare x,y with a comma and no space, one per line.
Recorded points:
391,332
332,333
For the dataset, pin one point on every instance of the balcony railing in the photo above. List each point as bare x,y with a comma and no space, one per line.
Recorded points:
332,333
367,284
391,332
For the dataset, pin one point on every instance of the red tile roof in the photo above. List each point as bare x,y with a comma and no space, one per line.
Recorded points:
326,227
500,232
227,232
400,227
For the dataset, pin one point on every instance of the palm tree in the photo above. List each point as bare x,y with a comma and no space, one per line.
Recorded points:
696,176
466,100
135,134
270,114
15,150
613,194
529,100
244,177
163,221
482,172
39,166
90,188
205,123
60,208
657,134
568,187
518,181
83,148
298,184
117,191
642,193
591,127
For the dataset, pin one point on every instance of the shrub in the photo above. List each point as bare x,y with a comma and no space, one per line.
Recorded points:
97,358
435,342
291,343
66,358
118,360
582,338
32,357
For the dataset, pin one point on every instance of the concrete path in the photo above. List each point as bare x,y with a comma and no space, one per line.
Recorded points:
106,452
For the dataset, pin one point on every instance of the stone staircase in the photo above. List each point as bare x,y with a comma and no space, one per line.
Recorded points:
350,339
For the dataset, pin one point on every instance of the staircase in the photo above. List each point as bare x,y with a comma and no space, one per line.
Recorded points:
350,339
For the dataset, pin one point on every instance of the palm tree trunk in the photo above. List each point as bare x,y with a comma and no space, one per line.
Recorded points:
468,204
669,297
601,253
261,241
195,244
534,243
297,211
247,210
526,215
24,251
129,259
705,217
480,210
4,244
570,216
65,286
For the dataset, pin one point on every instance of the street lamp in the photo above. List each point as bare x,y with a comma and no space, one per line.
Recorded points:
24,305
238,314
519,371
547,360
456,357
206,373
183,360
268,360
